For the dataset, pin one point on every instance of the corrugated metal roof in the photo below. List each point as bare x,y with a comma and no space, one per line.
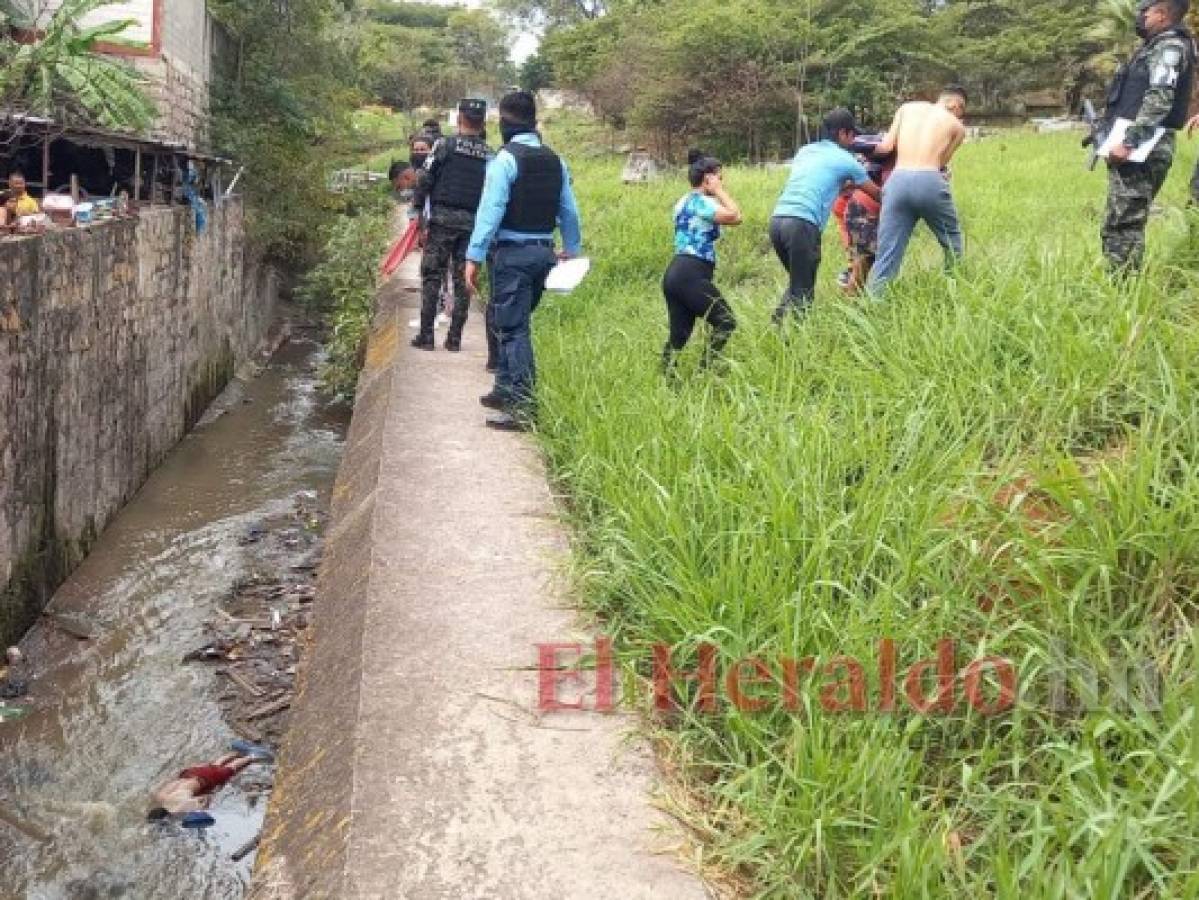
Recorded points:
91,136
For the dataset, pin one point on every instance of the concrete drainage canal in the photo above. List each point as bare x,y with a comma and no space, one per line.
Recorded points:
178,635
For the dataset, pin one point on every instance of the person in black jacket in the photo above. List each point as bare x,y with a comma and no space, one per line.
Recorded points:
452,183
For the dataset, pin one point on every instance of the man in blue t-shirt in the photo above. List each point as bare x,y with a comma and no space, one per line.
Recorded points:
819,172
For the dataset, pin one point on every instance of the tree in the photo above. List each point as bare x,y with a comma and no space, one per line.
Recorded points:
410,15
405,66
744,75
1115,32
552,13
480,46
282,114
536,73
59,73
409,67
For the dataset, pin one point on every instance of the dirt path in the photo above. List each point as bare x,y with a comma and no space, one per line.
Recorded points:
459,789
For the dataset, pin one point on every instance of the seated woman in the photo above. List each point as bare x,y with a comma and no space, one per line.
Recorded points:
687,285
17,201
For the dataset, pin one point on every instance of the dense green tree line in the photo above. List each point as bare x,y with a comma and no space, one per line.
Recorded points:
420,55
282,109
746,75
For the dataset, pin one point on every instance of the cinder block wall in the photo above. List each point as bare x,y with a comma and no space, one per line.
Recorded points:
180,77
112,341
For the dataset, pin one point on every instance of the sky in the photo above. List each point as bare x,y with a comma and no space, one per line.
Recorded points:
525,44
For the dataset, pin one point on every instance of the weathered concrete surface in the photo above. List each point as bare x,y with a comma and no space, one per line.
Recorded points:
112,341
416,766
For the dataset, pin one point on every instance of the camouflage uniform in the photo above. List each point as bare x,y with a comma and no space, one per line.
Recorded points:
449,230
1131,188
445,247
1168,58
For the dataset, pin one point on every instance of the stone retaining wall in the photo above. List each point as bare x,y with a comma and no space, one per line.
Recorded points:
113,339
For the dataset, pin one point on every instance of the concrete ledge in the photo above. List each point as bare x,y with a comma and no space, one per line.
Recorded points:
305,840
418,762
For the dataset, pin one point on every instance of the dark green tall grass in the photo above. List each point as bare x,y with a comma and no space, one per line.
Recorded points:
1006,457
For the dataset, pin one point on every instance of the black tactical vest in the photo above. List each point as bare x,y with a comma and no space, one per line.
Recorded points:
461,174
533,202
1132,82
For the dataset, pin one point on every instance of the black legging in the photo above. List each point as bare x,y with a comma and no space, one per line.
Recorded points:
690,295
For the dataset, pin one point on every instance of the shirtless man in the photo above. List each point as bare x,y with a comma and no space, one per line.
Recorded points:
924,137
191,789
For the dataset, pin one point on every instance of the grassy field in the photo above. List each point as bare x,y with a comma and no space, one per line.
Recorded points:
377,137
1007,458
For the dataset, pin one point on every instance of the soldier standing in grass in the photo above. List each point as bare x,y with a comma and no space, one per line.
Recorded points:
452,181
1153,91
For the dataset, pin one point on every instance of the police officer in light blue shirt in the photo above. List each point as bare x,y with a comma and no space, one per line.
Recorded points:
527,195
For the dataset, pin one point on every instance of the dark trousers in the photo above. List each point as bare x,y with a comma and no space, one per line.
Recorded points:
493,338
1131,189
691,295
519,276
444,248
797,243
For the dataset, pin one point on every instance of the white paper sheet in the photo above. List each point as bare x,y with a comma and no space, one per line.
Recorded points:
1116,137
567,275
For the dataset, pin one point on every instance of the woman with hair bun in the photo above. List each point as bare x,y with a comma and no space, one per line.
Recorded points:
687,285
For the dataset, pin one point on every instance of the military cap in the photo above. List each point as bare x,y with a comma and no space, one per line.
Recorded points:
1181,5
473,107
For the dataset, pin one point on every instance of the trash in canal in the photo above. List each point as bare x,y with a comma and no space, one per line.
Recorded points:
255,751
11,713
197,820
218,650
246,849
13,680
66,626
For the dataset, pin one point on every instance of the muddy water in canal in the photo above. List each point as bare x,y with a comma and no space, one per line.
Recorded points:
110,717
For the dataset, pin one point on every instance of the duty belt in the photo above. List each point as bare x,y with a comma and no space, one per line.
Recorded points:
535,242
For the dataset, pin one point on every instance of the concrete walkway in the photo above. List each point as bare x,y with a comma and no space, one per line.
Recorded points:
418,766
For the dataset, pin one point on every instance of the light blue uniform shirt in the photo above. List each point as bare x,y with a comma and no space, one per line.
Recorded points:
817,174
493,206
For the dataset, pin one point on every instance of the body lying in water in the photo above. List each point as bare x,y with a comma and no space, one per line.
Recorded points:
191,790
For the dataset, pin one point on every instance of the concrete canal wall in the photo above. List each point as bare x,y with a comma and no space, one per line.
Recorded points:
113,339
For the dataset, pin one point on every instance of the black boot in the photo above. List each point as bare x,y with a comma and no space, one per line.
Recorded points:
453,337
424,341
669,362
495,401
713,353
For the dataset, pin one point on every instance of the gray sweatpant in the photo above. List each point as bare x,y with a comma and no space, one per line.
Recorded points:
911,195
